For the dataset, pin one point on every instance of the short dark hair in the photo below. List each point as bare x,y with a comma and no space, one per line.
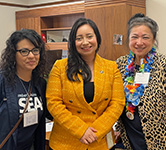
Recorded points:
75,62
140,19
8,57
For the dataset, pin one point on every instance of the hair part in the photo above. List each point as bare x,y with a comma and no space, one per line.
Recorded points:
8,57
140,19
76,65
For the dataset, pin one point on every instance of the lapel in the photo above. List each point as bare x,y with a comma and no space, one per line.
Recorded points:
99,79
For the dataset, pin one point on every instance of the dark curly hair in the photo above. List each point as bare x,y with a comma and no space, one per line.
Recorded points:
140,19
8,57
76,65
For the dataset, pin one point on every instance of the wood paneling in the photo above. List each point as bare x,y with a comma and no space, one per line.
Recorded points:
92,3
111,18
137,9
57,45
51,11
29,23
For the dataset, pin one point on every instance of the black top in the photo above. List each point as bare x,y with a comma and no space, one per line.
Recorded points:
134,131
89,91
26,135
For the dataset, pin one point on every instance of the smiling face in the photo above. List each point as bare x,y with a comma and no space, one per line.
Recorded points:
26,63
86,42
140,41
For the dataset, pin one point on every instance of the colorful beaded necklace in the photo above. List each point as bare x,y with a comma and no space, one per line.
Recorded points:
133,91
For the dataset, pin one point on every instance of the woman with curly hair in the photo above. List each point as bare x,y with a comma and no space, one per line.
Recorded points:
21,80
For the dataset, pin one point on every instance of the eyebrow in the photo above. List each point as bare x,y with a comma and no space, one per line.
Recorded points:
134,34
86,34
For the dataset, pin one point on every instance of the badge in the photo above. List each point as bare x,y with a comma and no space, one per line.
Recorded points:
142,78
130,115
30,118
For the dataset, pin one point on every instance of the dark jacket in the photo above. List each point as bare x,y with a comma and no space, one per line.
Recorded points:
9,114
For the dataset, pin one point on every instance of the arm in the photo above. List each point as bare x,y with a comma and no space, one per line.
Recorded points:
104,123
72,123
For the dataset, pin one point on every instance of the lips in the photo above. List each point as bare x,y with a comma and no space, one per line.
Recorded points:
86,48
31,62
140,49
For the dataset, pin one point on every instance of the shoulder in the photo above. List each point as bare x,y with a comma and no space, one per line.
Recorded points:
122,59
105,62
122,62
160,60
41,84
61,62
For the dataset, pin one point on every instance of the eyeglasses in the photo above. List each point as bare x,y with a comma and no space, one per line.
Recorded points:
25,51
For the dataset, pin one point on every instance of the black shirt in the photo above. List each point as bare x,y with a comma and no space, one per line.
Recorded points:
89,91
26,135
134,131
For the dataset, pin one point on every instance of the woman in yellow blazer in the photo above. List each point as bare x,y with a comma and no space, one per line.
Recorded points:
85,93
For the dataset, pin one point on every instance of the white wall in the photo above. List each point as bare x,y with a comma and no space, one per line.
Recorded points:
8,24
156,9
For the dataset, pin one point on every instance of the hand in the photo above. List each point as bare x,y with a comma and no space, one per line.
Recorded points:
117,136
89,136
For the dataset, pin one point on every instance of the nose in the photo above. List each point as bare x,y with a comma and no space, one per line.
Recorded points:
30,54
139,41
85,41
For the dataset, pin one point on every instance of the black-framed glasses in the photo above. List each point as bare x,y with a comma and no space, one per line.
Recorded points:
25,51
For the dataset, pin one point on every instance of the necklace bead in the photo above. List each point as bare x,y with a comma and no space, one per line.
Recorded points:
133,92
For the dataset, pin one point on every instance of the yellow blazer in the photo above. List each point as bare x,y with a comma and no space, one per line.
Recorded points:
73,115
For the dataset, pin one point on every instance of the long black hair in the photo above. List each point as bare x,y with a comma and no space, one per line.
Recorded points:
76,65
8,57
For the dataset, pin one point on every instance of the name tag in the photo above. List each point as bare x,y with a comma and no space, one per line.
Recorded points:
30,118
109,138
142,78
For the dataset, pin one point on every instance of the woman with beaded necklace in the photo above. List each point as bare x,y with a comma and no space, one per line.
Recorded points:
142,123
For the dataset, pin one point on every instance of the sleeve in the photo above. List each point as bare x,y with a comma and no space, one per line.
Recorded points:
72,123
105,122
